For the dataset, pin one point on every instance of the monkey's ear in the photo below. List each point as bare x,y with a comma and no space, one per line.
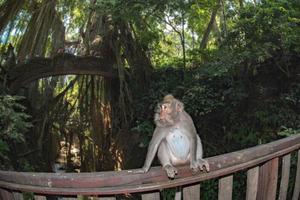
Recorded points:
179,106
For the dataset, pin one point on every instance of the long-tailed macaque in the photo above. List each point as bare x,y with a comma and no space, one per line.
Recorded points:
174,139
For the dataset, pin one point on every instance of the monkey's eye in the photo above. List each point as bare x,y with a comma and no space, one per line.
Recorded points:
164,106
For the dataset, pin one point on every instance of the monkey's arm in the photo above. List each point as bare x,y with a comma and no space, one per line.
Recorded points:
158,135
197,162
192,134
193,150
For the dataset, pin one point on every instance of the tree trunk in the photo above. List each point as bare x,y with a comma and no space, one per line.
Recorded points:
210,25
223,20
135,55
69,154
183,39
58,36
217,32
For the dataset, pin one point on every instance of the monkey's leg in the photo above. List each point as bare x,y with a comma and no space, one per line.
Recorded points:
164,156
202,162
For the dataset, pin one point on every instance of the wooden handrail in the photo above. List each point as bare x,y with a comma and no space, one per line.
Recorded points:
127,181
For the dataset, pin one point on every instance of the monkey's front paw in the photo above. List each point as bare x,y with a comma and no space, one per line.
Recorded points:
171,171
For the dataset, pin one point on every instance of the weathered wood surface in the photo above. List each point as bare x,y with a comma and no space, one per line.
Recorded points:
5,194
191,192
296,192
225,188
127,181
107,198
17,196
38,197
252,183
151,196
178,195
63,64
267,184
285,174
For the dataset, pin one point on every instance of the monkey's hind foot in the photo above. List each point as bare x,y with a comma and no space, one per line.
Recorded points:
200,164
203,165
171,171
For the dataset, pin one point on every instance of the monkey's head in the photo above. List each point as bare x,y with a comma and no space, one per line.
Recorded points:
168,111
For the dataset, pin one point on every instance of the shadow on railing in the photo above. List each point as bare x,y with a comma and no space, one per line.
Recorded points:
261,162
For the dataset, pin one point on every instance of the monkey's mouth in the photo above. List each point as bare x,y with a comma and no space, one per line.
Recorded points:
167,121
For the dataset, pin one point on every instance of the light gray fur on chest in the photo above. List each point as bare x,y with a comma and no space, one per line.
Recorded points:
178,143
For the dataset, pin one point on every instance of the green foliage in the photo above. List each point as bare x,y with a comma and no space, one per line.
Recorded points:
3,149
146,128
12,118
209,189
288,131
264,33
168,194
292,96
13,122
203,98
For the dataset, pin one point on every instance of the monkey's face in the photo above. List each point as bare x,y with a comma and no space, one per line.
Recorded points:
164,114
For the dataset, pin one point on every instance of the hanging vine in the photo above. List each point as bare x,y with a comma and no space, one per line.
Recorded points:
35,38
8,11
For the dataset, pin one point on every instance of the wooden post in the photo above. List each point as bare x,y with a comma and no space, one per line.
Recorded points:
252,182
191,192
151,196
177,195
285,174
5,194
297,180
39,197
267,185
225,188
18,196
107,198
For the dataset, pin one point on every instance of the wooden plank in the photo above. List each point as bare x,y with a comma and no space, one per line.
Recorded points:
297,180
39,197
285,174
252,183
69,198
177,195
191,192
107,198
225,188
151,196
5,194
267,185
18,196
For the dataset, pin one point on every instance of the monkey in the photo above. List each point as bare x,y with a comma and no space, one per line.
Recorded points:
174,139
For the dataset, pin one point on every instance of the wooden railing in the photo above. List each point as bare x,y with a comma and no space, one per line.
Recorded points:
262,164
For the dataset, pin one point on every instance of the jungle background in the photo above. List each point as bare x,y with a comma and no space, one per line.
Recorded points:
233,63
